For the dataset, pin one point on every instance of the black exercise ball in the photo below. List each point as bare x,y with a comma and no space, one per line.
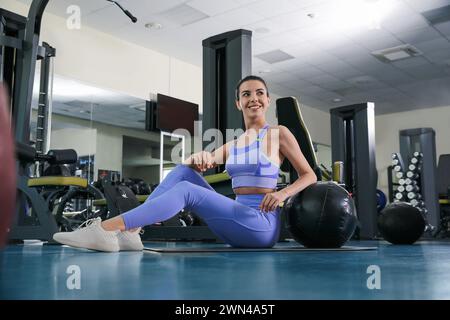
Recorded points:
321,216
401,223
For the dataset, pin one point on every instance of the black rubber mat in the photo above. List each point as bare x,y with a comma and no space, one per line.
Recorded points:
274,249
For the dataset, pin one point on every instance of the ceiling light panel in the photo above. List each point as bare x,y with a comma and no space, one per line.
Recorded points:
274,56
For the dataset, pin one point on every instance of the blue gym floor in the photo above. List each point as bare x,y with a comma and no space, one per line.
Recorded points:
36,271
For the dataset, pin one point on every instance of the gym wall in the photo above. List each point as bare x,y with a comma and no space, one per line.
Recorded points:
83,140
387,129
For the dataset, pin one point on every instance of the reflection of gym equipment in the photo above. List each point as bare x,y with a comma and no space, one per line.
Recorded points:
41,202
353,143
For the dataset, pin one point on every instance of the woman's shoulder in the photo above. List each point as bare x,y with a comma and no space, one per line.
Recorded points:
282,130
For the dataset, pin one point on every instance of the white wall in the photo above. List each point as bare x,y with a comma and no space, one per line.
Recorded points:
109,150
387,139
82,140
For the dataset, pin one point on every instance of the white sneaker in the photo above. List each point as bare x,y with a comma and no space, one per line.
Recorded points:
130,241
90,235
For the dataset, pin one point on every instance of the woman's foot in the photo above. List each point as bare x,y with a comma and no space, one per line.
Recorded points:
90,235
130,240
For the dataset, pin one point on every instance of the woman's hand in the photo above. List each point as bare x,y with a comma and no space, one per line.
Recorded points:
200,161
272,200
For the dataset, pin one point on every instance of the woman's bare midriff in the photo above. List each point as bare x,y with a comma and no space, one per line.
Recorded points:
251,190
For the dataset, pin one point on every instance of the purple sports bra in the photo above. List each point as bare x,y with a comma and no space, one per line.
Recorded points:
250,167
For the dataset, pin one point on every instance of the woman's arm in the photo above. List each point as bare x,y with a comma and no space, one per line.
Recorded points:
291,150
203,160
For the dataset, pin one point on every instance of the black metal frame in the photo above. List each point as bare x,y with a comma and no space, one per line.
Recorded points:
19,40
353,142
226,60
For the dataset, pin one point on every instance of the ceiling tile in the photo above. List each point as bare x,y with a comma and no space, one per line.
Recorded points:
410,62
293,20
283,39
302,49
264,28
427,72
438,56
269,8
431,46
238,18
212,7
444,28
403,19
421,5
418,35
322,79
307,71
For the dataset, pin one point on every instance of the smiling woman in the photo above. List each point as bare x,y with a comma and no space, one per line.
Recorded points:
252,220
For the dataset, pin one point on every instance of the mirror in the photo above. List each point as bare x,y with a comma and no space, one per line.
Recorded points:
323,154
105,128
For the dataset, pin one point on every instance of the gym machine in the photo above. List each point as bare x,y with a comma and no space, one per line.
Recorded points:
20,50
353,143
418,149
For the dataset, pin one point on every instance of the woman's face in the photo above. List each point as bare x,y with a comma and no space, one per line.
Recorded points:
253,100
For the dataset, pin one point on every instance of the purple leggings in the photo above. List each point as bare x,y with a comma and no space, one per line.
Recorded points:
237,222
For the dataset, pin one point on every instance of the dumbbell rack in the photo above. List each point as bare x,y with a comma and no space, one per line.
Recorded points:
409,180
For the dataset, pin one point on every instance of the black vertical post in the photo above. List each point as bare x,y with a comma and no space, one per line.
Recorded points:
353,142
26,62
226,60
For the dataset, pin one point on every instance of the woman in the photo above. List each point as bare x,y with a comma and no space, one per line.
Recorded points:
252,220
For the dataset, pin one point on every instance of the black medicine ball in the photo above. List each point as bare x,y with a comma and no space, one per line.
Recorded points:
401,223
321,216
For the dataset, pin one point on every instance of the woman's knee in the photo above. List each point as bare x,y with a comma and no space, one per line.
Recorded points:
187,188
184,185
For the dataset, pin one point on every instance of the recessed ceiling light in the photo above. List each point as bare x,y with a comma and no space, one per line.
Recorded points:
337,100
397,53
274,56
153,25
265,71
